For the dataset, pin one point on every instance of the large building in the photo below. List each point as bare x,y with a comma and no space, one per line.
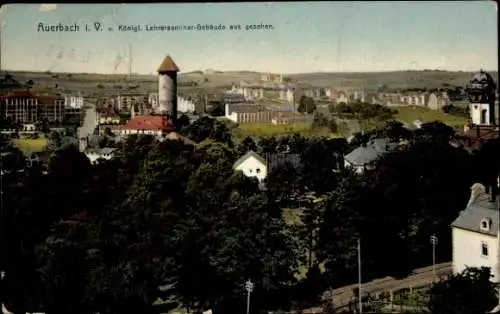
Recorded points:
475,233
24,107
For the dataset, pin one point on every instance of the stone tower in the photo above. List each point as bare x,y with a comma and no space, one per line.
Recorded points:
167,88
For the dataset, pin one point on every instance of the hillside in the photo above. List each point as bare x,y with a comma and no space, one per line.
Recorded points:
110,84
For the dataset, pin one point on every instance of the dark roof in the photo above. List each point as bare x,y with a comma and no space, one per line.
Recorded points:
246,156
479,208
374,149
245,107
168,65
48,100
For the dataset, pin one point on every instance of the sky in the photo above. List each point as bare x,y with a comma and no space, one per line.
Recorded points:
305,37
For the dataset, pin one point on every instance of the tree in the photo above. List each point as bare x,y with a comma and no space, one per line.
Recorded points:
468,292
306,105
206,127
183,122
248,144
54,141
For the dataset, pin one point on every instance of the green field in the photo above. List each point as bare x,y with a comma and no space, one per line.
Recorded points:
410,114
28,146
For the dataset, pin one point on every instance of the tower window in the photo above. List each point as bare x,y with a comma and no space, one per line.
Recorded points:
486,224
484,249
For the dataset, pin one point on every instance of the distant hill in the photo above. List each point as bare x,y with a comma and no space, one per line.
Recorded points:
216,79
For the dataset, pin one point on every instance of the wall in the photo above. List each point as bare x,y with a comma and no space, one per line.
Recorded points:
467,251
476,109
249,166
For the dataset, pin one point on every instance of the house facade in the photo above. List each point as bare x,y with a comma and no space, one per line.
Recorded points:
252,165
475,233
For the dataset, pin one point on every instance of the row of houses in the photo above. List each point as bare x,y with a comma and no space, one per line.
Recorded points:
285,92
434,100
124,102
255,113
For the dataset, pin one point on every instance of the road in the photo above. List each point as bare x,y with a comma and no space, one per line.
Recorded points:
89,122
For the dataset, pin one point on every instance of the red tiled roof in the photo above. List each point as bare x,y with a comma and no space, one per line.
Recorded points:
20,94
150,123
168,65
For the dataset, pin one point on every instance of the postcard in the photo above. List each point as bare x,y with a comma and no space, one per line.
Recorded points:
251,62
249,157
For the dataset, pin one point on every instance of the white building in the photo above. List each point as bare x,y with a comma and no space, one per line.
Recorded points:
74,102
153,100
95,154
475,233
184,105
252,165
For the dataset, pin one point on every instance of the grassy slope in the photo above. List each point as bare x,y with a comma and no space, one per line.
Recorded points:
28,146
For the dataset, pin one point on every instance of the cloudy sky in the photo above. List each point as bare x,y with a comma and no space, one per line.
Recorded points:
307,37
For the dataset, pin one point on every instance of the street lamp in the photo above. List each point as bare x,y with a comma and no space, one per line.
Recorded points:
249,288
359,277
434,242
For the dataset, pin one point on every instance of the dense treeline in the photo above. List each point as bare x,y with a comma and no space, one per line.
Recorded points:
171,221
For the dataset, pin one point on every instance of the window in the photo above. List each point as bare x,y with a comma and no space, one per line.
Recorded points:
486,224
484,249
250,170
257,170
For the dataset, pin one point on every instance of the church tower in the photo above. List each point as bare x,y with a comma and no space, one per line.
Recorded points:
481,94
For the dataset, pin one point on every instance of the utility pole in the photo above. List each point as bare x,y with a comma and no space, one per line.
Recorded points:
130,62
249,288
359,277
434,242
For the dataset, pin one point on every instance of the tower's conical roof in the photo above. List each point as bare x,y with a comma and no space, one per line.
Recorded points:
168,65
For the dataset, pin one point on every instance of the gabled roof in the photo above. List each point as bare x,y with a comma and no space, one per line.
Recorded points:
168,65
374,149
177,137
248,155
479,208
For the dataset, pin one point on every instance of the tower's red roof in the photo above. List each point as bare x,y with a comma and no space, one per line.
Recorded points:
150,123
168,65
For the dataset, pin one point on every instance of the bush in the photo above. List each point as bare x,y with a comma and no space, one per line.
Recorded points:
454,110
